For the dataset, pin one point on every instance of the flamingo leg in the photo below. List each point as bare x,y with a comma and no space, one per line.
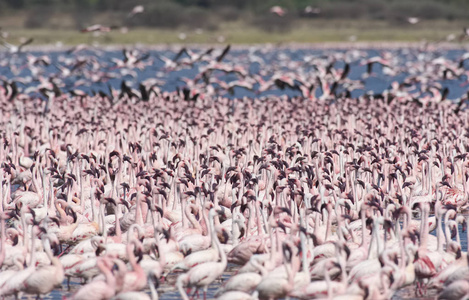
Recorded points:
62,252
419,285
193,294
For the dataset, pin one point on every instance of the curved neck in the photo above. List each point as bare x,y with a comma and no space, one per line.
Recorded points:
153,292
191,218
259,267
110,279
58,206
131,256
47,249
180,287
221,253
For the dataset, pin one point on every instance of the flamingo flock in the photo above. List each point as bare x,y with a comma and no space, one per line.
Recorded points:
317,195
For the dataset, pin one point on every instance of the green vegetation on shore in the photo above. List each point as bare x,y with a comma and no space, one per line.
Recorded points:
234,21
311,31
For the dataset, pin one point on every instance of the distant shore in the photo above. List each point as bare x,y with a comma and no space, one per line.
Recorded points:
324,45
318,33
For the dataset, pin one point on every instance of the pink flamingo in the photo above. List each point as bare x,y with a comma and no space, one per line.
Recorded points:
202,275
99,290
14,284
46,278
274,287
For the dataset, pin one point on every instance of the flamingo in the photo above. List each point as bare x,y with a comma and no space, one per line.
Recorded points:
46,278
235,295
202,275
136,279
136,10
307,191
14,284
279,11
456,290
99,289
243,282
152,282
199,256
275,287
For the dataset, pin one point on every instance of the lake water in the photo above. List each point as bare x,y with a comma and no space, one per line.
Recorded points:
262,61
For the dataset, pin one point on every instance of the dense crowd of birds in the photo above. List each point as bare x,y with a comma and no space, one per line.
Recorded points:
317,195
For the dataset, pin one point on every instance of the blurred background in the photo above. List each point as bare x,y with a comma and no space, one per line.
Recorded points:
238,21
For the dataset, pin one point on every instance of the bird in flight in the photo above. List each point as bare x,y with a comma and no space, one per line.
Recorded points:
13,48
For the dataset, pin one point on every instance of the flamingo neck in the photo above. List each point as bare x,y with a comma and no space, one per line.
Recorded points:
248,223
161,252
110,279
2,240
32,262
259,218
429,187
118,225
180,287
221,253
439,231
131,256
138,212
424,233
364,240
192,220
80,176
447,231
329,223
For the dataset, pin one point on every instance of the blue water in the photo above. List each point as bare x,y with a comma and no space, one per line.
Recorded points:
272,60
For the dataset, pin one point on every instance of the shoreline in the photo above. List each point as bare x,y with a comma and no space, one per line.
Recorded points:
287,45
